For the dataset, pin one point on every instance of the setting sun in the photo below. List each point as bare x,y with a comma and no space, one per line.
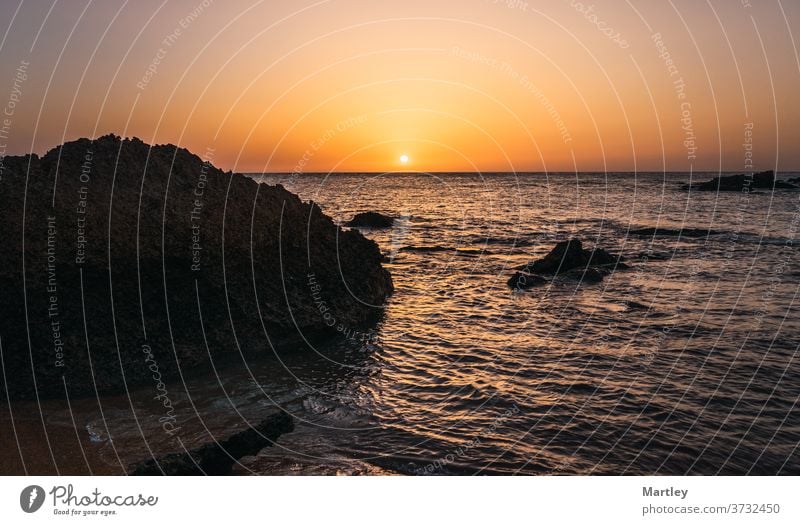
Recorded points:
403,159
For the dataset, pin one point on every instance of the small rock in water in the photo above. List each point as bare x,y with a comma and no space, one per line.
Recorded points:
370,219
429,249
522,281
569,259
567,255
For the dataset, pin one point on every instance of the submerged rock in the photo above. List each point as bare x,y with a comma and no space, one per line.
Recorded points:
424,249
633,305
568,259
762,180
370,219
589,275
472,252
217,458
466,252
654,256
523,281
142,261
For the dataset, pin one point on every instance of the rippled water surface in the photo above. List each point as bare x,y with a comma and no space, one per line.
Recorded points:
684,363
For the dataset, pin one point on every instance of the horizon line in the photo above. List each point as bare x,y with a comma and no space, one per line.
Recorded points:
417,172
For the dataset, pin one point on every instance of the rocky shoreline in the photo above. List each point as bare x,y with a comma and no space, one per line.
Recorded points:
217,458
127,264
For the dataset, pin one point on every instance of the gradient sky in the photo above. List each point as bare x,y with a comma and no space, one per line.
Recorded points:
351,85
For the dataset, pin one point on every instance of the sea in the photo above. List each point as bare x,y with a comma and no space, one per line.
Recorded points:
686,362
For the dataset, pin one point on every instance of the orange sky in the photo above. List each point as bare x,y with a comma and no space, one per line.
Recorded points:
346,85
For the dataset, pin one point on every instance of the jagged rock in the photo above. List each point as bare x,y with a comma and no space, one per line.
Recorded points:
568,259
217,458
370,219
140,261
568,255
762,180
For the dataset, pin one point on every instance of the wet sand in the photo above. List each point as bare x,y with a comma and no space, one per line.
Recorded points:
25,451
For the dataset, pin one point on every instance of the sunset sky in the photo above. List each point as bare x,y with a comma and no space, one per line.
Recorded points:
462,85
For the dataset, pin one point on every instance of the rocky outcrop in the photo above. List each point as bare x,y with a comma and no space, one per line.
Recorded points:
567,259
569,255
217,458
126,264
370,219
762,180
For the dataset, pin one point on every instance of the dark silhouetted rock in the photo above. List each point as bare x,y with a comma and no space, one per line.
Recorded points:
217,458
370,219
589,275
142,260
466,252
568,255
633,305
762,180
672,232
424,249
522,281
568,259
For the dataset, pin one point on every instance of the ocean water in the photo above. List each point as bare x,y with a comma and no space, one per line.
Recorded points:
685,363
